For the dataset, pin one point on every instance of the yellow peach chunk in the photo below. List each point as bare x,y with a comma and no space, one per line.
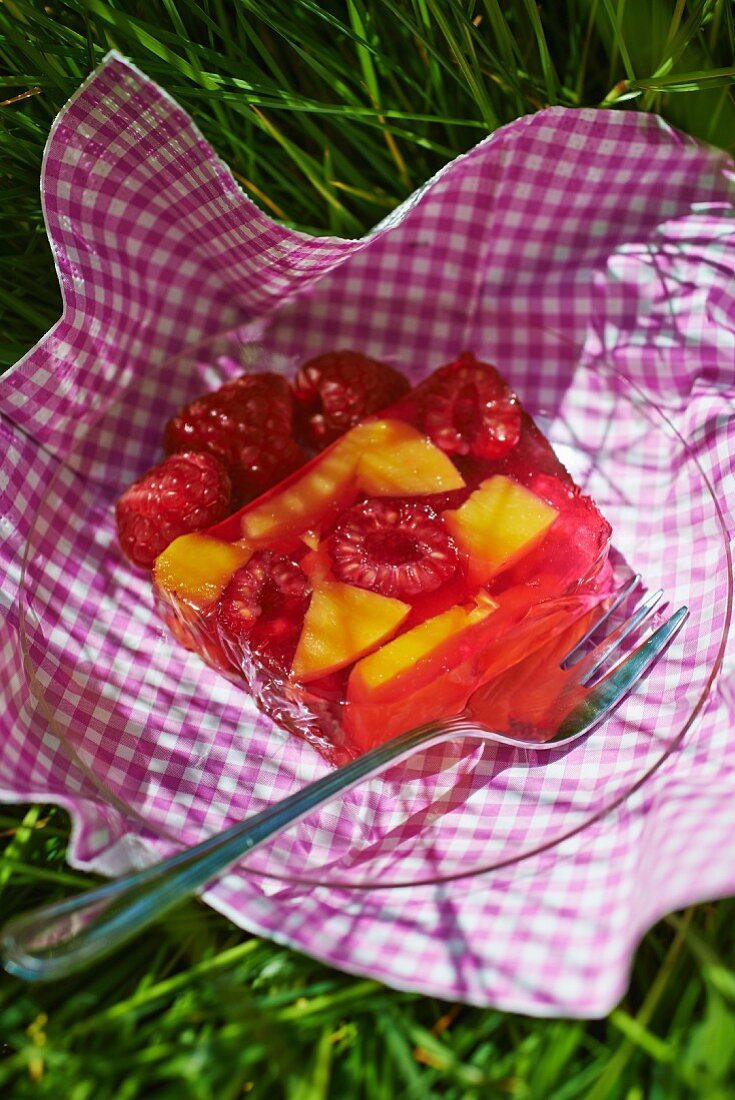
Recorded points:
196,567
342,624
407,464
404,653
497,524
330,481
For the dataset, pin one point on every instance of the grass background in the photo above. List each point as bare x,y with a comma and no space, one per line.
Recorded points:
329,114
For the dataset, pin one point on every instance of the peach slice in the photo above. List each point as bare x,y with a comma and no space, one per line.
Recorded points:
343,623
381,672
420,676
326,484
406,464
497,524
196,567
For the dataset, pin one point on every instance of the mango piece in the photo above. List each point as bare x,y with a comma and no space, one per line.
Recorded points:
343,623
406,464
196,567
429,640
497,524
329,483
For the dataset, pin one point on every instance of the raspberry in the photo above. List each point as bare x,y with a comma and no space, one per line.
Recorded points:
394,547
246,424
186,492
263,462
467,409
264,605
333,392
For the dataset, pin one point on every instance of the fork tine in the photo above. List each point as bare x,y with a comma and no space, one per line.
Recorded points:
586,668
607,692
578,649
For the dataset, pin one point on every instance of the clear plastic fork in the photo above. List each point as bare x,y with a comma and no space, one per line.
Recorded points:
55,940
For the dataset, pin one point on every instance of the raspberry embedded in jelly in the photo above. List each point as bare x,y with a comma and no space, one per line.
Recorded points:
337,390
395,547
467,409
425,552
263,607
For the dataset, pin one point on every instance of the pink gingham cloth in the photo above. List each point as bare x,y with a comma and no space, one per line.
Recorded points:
568,244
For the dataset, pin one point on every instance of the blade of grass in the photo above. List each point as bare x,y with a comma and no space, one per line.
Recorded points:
371,82
305,164
456,47
22,95
620,45
687,82
547,66
678,39
586,50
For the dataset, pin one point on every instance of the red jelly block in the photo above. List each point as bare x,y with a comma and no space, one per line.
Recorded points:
424,553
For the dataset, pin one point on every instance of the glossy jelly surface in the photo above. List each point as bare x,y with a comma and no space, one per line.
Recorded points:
430,549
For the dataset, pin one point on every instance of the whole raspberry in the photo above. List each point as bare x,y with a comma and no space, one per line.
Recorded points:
246,424
264,605
184,493
333,392
395,547
262,462
466,408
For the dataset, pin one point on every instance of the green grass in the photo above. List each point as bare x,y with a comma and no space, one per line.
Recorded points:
197,1010
330,114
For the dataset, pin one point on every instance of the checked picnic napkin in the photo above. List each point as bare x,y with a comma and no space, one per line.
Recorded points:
591,256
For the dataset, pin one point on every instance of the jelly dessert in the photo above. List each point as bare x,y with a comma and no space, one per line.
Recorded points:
425,552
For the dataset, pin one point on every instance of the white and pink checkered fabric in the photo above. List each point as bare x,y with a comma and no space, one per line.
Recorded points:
591,255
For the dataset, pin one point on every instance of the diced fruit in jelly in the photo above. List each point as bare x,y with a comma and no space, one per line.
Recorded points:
189,578
497,524
343,623
196,567
439,685
330,480
407,464
430,641
419,557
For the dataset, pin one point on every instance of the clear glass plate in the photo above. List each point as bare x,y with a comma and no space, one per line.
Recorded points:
183,752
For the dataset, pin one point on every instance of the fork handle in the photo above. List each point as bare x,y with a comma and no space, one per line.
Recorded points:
55,940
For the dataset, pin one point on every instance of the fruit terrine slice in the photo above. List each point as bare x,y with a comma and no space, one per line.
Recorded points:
426,551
